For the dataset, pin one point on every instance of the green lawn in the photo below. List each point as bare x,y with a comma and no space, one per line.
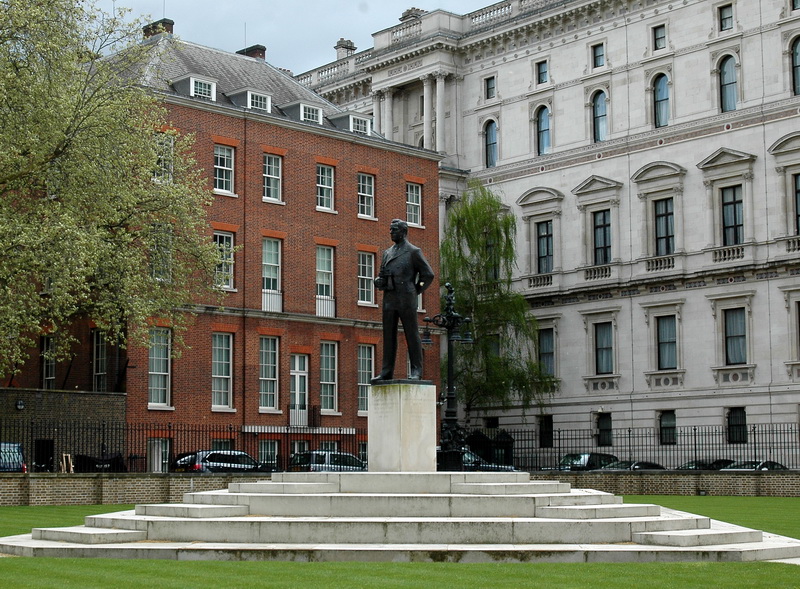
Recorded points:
779,515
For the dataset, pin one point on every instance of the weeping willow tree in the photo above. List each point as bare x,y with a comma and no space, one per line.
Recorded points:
478,255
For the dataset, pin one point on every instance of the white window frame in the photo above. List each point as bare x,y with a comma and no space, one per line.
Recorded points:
311,114
326,182
366,276
732,374
666,378
366,195
414,204
165,158
328,377
490,87
536,72
254,98
360,125
366,370
272,173
221,371
224,169
791,297
48,362
607,382
223,273
268,451
551,325
325,267
654,39
593,55
196,84
99,361
271,270
159,368
538,205
268,374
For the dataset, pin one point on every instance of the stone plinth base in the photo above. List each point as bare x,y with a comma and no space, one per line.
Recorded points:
402,426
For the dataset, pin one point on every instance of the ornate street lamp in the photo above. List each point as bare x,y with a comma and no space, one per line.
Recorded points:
452,436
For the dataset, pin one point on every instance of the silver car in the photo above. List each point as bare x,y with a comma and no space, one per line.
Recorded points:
322,460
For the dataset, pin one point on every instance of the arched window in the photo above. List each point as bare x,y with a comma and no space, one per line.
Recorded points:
661,100
727,84
796,67
599,119
543,131
490,132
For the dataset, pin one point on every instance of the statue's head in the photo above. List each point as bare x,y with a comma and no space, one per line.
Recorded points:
398,229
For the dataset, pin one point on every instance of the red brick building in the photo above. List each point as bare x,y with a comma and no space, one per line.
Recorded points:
303,195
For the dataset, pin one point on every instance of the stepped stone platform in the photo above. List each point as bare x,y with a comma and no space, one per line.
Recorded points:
411,517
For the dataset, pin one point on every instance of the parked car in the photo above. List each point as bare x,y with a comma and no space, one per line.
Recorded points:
472,461
755,465
322,460
218,461
12,459
633,465
84,463
705,464
585,461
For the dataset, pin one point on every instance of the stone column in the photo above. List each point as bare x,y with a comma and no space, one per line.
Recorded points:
440,106
376,112
710,210
427,116
388,107
747,197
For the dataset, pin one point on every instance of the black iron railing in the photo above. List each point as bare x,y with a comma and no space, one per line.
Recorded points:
109,446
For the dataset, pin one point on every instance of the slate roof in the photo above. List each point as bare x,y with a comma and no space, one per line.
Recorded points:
172,59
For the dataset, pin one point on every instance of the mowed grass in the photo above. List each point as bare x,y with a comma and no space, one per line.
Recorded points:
774,514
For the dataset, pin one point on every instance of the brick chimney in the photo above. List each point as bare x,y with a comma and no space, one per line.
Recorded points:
344,48
164,25
254,51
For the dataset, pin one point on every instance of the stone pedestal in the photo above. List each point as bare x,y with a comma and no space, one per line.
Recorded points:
402,426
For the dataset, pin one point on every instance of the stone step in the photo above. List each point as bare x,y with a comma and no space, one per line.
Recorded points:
192,510
693,538
284,488
409,530
774,549
581,512
399,482
386,505
86,535
526,488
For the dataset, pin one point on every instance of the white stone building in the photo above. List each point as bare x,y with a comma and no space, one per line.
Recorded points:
651,151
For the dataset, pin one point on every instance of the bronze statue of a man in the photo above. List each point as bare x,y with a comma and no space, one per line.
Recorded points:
404,273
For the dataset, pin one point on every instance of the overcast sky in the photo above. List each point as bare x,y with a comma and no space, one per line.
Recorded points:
299,34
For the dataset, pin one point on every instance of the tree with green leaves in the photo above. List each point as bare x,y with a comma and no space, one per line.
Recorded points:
478,255
102,211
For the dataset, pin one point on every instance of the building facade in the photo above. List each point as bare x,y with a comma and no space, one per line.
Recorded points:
651,153
303,196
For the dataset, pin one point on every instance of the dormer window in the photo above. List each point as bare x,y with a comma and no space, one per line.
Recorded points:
360,125
259,101
203,89
311,114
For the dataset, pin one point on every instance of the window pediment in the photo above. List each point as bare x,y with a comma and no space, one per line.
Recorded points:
596,186
726,158
540,196
787,148
659,172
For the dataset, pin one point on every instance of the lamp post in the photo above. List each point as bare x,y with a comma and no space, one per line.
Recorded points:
452,435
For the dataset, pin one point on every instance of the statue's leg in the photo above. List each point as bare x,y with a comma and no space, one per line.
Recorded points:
411,329
389,344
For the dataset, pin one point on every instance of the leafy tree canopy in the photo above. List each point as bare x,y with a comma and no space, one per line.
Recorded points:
478,257
99,220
